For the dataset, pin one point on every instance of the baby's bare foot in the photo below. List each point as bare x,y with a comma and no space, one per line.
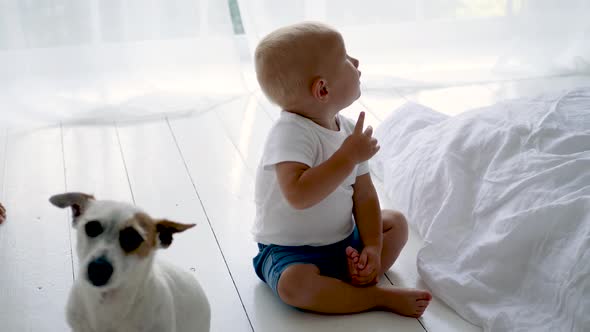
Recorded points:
352,258
2,213
407,301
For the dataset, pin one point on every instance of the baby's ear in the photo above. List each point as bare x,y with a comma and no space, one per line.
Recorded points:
166,228
319,89
77,201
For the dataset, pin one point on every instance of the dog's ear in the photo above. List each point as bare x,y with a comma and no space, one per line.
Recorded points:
77,201
167,228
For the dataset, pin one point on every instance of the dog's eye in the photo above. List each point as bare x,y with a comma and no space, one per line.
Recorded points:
93,228
129,239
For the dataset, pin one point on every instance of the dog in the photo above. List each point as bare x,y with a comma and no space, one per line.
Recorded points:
121,285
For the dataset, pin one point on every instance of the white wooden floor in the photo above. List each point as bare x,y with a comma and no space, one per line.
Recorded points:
198,168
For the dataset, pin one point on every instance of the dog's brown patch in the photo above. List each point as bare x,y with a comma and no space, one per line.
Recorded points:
154,232
145,226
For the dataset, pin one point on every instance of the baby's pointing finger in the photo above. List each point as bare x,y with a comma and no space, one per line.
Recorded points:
358,128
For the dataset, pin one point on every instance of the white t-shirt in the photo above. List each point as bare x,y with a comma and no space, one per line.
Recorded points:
296,138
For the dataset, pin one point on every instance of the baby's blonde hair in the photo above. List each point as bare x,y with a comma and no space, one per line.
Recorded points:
283,71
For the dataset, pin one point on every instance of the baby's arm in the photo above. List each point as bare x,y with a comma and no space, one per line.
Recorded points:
367,212
305,186
367,215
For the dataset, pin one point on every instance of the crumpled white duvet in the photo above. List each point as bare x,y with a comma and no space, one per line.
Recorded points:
501,197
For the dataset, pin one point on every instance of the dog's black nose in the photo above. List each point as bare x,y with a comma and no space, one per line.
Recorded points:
99,271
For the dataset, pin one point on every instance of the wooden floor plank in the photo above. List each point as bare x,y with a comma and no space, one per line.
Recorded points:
163,188
35,252
93,162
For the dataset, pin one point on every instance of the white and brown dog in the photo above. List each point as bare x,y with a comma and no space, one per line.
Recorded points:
121,286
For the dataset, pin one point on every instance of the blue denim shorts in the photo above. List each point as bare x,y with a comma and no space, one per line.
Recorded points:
272,259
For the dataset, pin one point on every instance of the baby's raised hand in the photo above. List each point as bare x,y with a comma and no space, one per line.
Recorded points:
360,146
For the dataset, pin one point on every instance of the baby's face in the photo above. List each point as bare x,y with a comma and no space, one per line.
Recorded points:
345,76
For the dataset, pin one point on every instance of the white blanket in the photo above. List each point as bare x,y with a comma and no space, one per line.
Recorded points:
501,196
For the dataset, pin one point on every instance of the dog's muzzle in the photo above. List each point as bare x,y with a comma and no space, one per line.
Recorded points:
100,271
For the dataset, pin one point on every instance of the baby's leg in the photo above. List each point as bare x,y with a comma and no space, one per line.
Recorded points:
302,286
2,213
395,236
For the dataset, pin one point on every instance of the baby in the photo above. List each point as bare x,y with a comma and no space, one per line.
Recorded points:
323,239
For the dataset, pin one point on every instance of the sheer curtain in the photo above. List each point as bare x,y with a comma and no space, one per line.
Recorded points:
95,61
419,43
114,60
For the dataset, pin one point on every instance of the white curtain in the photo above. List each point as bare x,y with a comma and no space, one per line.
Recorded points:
112,60
419,43
116,60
